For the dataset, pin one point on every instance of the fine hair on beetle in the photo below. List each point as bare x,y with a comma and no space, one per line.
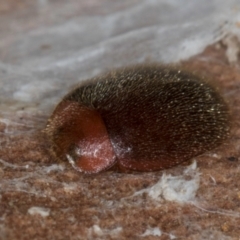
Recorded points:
146,117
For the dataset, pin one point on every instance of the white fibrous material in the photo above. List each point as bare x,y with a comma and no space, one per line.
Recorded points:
51,58
175,188
97,231
44,212
156,232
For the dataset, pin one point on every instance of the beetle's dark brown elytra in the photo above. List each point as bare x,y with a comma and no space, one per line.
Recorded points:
141,118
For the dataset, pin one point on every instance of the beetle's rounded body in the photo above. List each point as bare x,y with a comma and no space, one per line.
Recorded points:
142,118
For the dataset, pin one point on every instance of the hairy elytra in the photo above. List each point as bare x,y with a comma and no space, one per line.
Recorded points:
140,118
